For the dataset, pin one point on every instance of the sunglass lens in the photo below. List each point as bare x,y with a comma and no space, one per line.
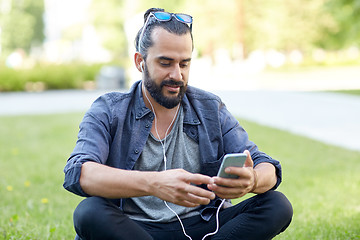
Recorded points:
184,18
162,16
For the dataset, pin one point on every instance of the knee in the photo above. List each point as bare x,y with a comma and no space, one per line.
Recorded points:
88,210
100,218
281,205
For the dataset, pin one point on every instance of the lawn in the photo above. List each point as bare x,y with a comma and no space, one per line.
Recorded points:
352,92
321,181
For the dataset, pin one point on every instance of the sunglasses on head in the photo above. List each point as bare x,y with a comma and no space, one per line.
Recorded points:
164,17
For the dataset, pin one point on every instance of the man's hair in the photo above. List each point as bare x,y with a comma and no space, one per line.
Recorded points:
172,26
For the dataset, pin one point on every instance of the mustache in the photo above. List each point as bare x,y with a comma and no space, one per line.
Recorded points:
171,82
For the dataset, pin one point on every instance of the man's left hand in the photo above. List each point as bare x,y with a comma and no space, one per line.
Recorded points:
228,188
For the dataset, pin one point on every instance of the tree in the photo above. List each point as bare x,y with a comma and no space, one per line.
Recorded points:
343,26
217,25
168,5
108,19
282,25
21,24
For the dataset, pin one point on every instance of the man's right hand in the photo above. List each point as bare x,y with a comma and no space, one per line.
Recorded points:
175,185
178,186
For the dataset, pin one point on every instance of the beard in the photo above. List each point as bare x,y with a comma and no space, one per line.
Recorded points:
156,91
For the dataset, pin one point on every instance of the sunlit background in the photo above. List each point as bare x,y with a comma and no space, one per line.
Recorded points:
289,71
245,44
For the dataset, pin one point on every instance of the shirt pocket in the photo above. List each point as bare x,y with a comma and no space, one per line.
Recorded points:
211,168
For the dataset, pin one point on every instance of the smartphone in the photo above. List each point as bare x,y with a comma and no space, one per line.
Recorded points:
231,160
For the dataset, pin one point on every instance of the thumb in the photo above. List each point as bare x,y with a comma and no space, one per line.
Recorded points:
248,162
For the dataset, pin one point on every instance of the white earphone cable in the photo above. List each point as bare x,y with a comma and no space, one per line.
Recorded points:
163,145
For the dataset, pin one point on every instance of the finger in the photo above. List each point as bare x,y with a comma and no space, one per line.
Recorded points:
229,196
238,171
191,200
228,182
226,192
198,179
185,203
198,194
248,162
198,200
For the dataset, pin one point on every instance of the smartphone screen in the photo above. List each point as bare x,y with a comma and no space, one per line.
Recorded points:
231,160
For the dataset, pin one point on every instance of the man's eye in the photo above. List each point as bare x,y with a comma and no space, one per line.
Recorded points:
165,64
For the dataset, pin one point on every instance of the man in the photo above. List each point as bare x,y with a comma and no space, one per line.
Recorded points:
147,160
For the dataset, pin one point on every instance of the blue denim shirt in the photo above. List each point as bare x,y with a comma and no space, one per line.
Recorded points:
116,127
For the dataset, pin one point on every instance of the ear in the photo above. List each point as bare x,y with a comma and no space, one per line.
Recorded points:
139,60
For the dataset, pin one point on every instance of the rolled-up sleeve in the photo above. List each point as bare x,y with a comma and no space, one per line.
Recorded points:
72,172
236,140
93,144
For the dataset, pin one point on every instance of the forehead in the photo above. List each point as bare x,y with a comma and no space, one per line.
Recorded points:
166,44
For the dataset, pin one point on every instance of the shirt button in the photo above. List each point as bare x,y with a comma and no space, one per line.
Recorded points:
136,151
147,125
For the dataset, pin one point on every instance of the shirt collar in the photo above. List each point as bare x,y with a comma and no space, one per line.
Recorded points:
140,109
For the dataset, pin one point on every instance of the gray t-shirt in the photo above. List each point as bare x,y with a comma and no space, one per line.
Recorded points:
181,152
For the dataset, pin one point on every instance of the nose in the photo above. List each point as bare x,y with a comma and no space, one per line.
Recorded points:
176,73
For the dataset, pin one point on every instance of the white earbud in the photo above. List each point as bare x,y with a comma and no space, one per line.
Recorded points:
142,66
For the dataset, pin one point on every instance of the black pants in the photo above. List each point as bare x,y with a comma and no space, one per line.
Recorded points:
260,217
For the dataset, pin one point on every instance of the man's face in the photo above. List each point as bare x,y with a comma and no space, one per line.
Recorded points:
167,67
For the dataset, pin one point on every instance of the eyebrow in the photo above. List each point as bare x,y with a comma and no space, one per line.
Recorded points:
171,59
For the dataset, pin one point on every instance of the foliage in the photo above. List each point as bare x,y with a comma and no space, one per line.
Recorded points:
239,26
47,77
21,24
260,24
323,188
216,26
168,5
108,19
345,29
212,21
284,25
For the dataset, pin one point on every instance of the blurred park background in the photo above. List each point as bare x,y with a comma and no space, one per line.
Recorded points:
250,44
288,70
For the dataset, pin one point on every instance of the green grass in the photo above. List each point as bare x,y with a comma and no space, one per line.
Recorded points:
321,181
34,150
352,92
